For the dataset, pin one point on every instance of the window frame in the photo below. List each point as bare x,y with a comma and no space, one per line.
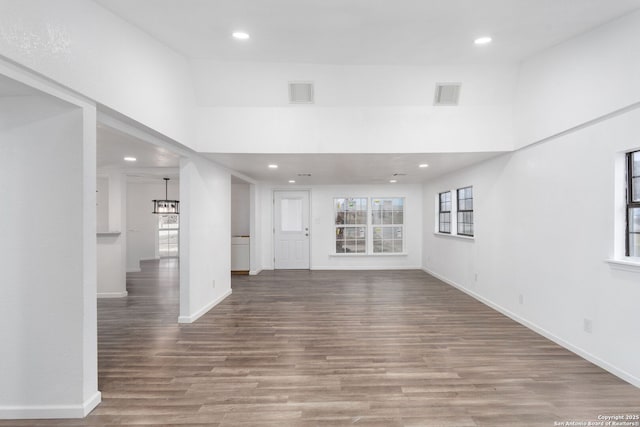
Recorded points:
364,225
631,204
392,225
442,212
463,212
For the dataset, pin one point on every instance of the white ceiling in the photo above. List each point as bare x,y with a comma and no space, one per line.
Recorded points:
352,169
152,162
397,32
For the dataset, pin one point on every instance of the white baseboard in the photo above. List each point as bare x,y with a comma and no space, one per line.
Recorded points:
254,272
112,294
133,270
195,316
620,373
366,267
50,411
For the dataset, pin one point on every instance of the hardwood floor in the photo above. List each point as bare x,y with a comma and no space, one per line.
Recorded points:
300,348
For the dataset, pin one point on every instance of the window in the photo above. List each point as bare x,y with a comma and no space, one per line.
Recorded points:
387,217
168,235
465,211
369,226
633,204
351,225
444,218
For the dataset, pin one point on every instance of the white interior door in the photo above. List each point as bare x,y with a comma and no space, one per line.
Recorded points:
291,229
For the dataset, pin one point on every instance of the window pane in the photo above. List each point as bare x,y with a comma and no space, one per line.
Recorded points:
387,217
376,218
636,189
397,232
377,246
397,246
361,217
387,233
634,220
398,217
291,215
377,232
634,244
339,233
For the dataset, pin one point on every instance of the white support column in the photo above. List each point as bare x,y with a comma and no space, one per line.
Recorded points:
205,237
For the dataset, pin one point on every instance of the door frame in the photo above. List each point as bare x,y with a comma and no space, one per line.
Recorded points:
273,222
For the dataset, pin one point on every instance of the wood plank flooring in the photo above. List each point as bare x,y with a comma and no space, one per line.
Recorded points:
363,348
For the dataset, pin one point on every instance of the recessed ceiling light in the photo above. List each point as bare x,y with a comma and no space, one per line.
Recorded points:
130,159
423,165
482,40
273,166
393,181
291,181
240,35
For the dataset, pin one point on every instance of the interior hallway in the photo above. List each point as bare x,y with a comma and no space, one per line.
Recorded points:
300,348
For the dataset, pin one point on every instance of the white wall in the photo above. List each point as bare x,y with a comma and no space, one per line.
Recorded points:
205,243
545,224
48,258
357,109
84,47
102,203
240,210
112,246
579,80
142,224
322,229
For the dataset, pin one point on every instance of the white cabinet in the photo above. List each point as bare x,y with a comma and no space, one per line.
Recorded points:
240,253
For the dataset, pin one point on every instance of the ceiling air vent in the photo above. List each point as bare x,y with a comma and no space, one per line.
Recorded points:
300,93
447,94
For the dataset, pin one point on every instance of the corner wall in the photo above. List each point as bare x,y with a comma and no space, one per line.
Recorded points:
48,257
546,222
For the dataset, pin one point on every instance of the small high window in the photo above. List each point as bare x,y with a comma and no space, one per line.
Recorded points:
465,211
444,218
633,204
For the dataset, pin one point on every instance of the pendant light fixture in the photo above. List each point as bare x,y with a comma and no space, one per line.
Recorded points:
165,207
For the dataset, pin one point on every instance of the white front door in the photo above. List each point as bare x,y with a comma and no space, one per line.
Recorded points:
291,229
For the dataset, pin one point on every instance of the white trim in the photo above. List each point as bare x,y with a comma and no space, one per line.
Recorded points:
133,270
577,350
367,267
149,259
255,272
628,264
457,236
195,316
50,411
112,294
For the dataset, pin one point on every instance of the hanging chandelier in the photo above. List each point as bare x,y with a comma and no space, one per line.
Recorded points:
165,207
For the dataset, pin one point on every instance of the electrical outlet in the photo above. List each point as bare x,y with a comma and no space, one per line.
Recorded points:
475,277
588,326
213,283
521,299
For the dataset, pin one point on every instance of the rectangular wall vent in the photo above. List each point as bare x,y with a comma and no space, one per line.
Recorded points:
447,94
300,92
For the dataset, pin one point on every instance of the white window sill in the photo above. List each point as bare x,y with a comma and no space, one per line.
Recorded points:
456,236
625,264
360,255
